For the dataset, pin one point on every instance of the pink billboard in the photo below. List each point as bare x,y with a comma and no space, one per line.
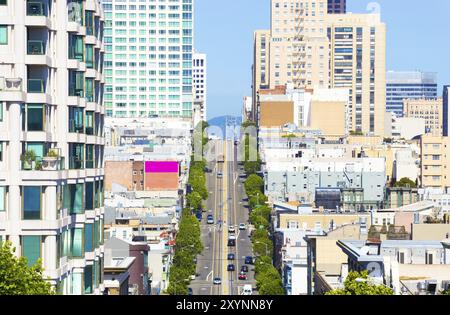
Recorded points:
161,167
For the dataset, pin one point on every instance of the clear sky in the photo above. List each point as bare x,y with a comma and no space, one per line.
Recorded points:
418,38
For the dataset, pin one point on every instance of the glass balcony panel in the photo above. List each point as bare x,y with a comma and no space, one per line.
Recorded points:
35,8
36,86
36,47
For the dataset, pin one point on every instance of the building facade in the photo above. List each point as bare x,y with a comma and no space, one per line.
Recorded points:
200,82
435,162
445,112
428,109
401,85
149,58
358,62
260,68
51,94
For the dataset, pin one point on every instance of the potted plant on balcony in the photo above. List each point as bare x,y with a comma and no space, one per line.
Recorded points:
27,159
50,161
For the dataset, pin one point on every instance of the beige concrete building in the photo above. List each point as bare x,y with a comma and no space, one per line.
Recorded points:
328,111
260,69
435,157
429,109
430,232
276,113
312,221
358,62
299,45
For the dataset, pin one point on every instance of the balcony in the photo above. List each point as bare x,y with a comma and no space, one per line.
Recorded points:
36,47
10,84
36,86
36,8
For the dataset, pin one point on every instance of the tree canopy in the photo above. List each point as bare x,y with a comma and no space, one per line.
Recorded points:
17,278
364,287
405,182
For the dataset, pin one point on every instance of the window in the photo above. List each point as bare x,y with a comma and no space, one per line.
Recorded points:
3,35
35,117
31,202
73,198
2,198
76,156
76,119
77,238
76,47
89,196
88,279
31,248
89,237
89,123
89,156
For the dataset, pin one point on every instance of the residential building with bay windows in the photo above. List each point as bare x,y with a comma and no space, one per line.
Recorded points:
149,55
51,138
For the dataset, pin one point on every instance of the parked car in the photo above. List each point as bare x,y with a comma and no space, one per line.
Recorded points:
230,267
190,292
217,280
210,219
231,256
244,268
199,216
242,276
249,260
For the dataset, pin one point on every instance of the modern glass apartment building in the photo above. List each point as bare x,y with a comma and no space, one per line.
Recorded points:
401,85
148,62
51,138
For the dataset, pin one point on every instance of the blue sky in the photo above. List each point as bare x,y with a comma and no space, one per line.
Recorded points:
418,38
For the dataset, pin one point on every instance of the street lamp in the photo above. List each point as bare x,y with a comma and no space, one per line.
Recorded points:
267,251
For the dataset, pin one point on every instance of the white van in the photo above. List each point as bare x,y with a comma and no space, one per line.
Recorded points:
248,290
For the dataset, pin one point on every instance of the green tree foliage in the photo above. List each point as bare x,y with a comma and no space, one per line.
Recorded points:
17,278
268,280
406,183
248,123
256,200
253,185
194,200
353,287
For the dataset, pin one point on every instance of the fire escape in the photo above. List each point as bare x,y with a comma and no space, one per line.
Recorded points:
299,50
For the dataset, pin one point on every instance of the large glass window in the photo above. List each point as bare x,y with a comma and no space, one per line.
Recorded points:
76,155
76,47
89,196
3,34
89,123
89,22
35,117
2,198
89,237
90,56
88,279
76,83
90,90
89,156
76,123
37,147
73,198
77,242
31,202
31,248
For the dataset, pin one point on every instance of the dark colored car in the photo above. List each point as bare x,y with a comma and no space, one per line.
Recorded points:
230,267
190,292
199,216
231,256
249,260
244,268
231,243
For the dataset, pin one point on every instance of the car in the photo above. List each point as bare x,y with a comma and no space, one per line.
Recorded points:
231,229
244,268
199,216
219,175
242,276
242,227
230,256
248,290
232,237
249,260
210,219
190,292
230,267
231,243
217,280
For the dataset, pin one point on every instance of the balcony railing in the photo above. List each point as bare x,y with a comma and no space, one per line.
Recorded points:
36,47
36,86
35,8
10,84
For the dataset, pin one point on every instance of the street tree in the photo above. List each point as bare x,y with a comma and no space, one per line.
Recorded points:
362,287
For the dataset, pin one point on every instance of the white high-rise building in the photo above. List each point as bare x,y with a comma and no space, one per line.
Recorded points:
148,61
200,82
51,138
